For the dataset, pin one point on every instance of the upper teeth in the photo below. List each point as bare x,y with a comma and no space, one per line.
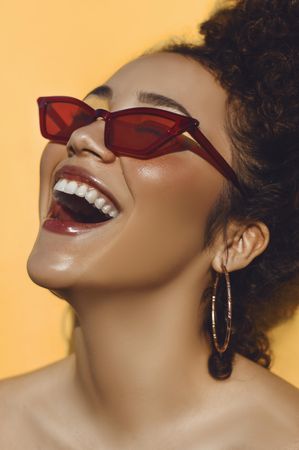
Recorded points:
91,194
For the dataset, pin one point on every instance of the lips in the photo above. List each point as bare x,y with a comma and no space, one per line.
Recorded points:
77,173
59,219
68,227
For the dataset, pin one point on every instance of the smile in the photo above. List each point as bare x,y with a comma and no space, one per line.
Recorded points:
77,207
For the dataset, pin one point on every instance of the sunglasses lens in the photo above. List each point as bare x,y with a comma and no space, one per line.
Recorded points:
61,119
133,132
136,134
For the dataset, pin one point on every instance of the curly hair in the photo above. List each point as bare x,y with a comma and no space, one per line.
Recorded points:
251,48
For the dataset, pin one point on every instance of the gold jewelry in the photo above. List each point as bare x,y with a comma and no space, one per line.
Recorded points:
228,319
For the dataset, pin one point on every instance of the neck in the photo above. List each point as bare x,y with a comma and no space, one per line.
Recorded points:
140,357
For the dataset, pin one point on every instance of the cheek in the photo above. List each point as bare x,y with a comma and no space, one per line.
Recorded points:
179,188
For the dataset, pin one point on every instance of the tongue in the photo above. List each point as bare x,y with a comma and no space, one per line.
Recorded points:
57,211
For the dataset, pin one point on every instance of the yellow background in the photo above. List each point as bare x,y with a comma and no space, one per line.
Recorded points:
67,47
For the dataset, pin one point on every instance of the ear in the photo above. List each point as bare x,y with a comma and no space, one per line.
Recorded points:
242,245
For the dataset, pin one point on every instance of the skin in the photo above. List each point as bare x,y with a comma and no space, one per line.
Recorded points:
138,378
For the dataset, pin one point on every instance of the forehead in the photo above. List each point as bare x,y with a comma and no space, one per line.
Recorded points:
172,75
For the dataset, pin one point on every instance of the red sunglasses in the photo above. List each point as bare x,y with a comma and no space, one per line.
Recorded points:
138,132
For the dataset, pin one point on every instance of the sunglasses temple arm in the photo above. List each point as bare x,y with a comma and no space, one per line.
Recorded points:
214,157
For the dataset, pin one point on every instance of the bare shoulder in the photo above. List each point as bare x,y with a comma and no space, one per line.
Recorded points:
25,387
23,398
272,404
269,387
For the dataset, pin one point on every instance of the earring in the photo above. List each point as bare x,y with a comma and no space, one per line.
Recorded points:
228,319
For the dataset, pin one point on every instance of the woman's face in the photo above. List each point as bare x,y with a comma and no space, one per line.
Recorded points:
165,200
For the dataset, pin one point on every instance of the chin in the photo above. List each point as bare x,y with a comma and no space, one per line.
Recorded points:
49,280
48,274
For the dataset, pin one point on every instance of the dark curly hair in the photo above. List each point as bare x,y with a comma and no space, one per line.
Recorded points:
251,48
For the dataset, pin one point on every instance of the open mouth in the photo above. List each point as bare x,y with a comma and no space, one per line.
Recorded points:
67,207
70,214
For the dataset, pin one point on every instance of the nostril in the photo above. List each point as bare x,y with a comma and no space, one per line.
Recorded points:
70,150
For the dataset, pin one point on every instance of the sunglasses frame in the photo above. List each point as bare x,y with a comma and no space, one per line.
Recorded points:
181,124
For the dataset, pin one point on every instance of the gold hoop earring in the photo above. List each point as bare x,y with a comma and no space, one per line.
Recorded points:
228,319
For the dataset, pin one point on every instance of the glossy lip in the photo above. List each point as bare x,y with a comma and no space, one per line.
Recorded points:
69,227
78,173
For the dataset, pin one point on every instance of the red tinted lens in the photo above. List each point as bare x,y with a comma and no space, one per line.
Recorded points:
133,132
61,119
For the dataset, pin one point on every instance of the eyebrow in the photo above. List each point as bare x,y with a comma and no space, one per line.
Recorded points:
106,92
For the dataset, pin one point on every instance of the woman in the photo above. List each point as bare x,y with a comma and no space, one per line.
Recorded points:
176,261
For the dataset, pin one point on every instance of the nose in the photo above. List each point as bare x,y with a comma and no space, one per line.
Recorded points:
90,139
